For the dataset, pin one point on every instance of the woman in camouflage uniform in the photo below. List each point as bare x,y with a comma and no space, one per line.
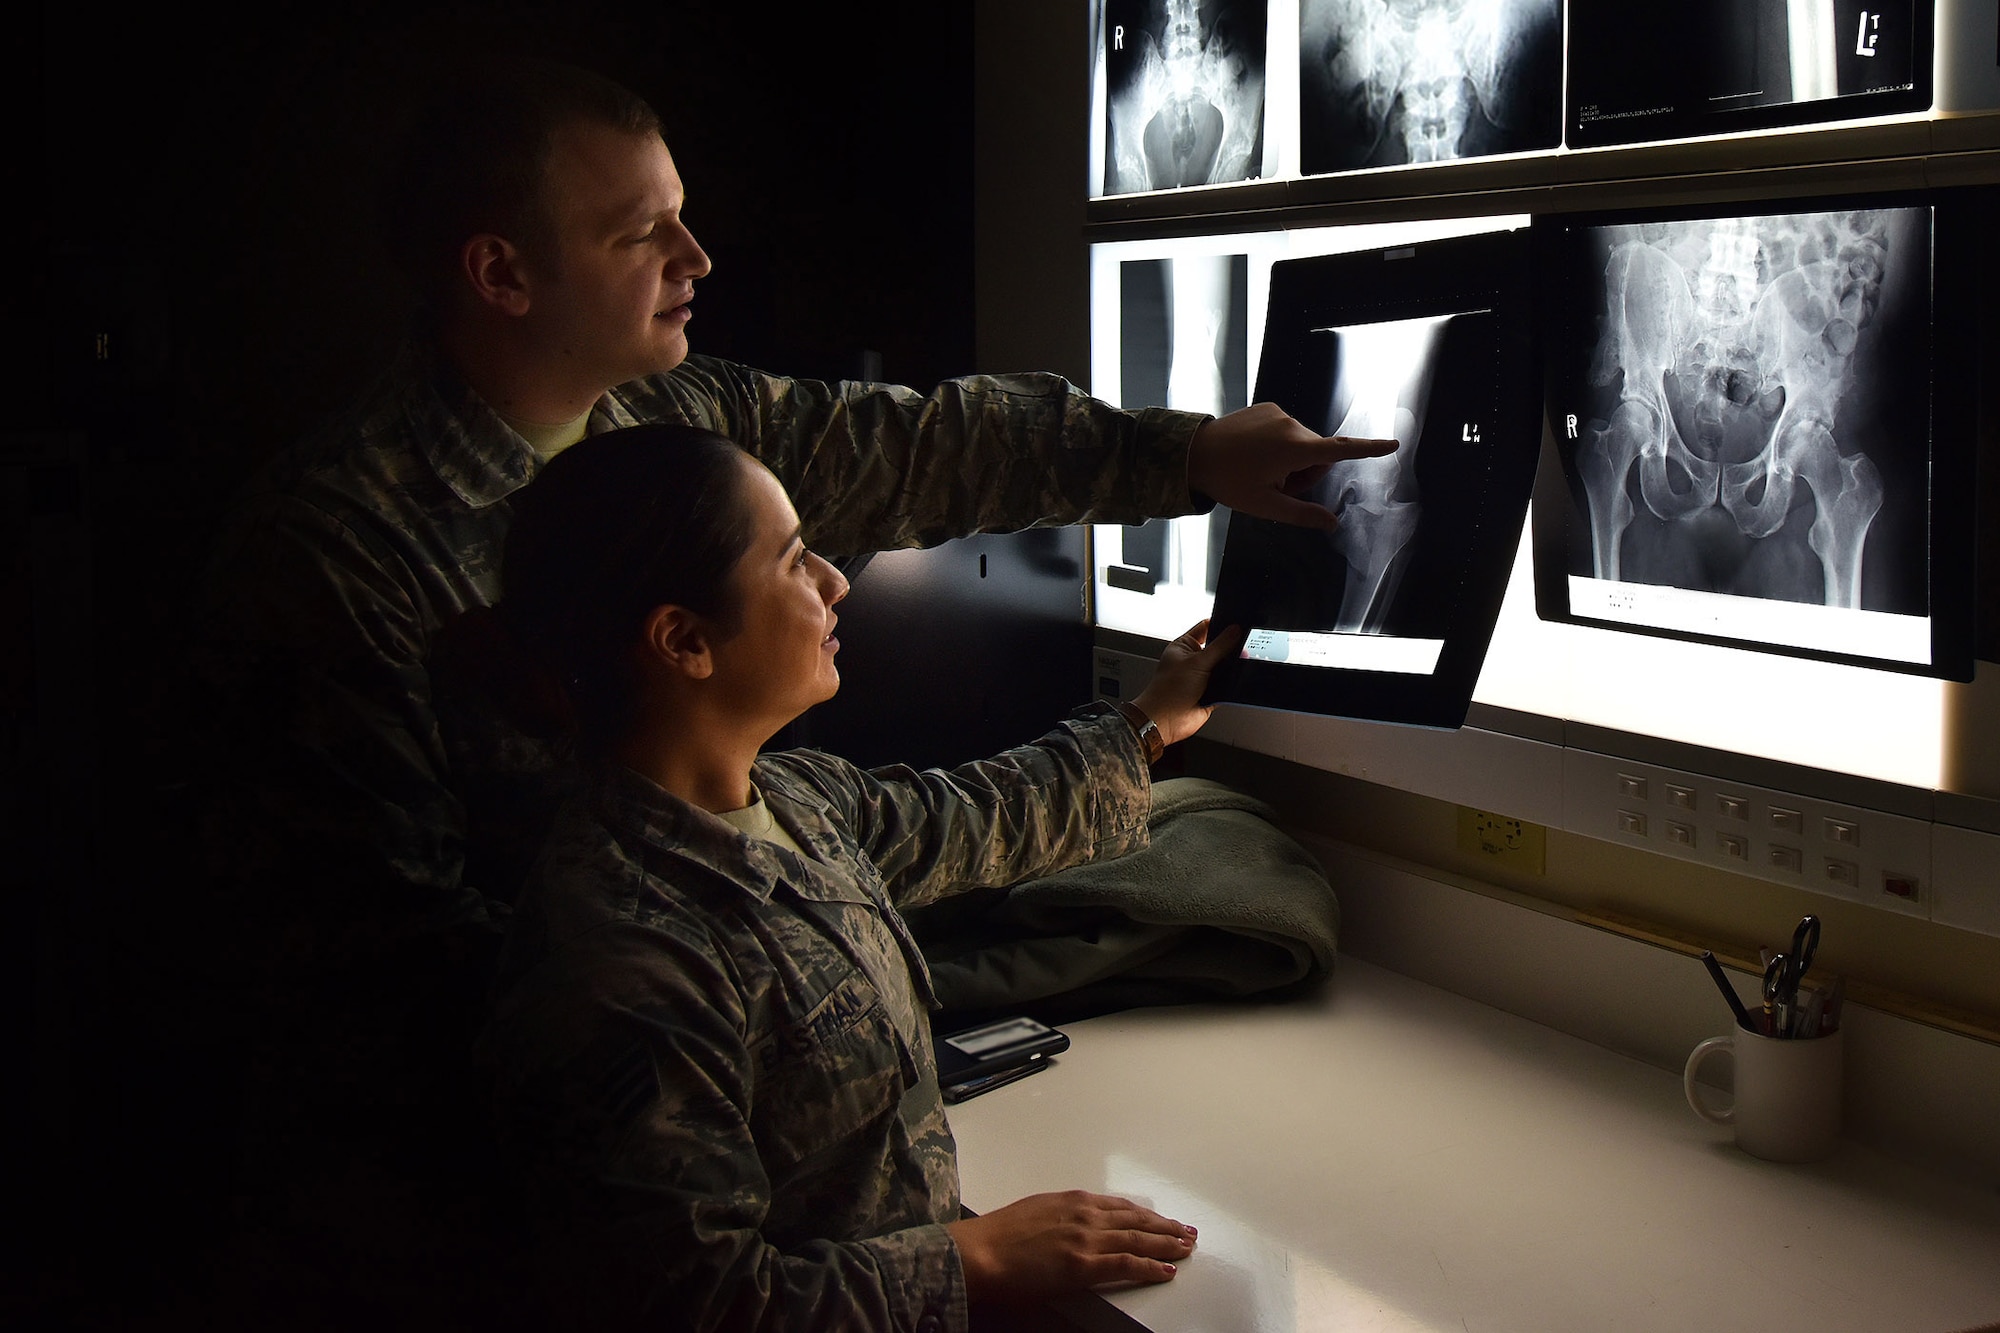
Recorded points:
710,1045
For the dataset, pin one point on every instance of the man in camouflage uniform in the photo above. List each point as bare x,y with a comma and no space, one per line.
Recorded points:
370,827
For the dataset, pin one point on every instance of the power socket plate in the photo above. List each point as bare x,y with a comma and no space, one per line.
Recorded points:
1503,840
1864,856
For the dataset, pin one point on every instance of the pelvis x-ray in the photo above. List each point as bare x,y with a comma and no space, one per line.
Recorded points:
1184,344
1383,82
1392,564
1184,92
1754,419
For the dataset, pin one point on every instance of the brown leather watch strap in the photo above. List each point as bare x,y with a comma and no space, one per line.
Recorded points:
1144,728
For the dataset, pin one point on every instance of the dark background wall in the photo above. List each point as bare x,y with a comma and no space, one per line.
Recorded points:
193,279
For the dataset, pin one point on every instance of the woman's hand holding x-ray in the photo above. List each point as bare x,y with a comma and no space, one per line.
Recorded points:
1173,697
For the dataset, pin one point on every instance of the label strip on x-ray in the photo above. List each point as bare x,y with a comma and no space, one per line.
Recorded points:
1830,629
1349,652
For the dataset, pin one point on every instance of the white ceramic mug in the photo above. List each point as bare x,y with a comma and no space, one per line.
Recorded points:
1787,1104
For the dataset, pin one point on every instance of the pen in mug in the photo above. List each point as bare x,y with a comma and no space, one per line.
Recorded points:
1829,1014
1728,991
1808,1021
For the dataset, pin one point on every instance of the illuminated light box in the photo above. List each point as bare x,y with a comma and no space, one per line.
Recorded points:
1762,426
1179,93
1384,84
1388,616
1702,67
1179,322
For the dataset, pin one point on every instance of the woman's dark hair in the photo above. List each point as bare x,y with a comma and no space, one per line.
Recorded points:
612,527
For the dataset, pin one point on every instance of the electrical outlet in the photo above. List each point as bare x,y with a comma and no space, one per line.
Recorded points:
1515,843
1846,851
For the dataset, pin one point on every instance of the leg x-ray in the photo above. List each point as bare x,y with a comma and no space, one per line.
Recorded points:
1184,92
1183,344
1388,614
1426,383
1383,82
1710,66
1755,416
1183,333
1382,391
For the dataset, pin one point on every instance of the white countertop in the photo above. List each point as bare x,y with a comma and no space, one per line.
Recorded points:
1391,1156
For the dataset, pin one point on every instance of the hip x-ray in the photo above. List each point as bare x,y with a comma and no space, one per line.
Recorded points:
1388,615
1387,381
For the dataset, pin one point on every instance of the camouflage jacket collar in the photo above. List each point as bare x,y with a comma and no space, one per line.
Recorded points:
472,451
479,456
830,872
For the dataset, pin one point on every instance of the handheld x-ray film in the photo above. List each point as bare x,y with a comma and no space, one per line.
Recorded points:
1388,616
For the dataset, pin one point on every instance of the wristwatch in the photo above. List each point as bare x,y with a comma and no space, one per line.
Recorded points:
1147,730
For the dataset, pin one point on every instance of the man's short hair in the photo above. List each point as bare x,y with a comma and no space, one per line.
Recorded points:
476,157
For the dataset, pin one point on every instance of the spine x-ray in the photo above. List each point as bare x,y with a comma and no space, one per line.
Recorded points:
1385,82
1184,343
1184,92
1706,66
1745,406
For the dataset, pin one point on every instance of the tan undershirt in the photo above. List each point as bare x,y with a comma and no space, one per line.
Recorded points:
546,440
755,820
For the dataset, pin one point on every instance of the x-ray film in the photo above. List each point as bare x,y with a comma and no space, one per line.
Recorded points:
1388,615
1184,344
1184,333
1742,409
1699,67
1387,82
1182,92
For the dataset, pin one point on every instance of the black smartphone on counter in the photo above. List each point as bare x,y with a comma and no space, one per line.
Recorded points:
974,1060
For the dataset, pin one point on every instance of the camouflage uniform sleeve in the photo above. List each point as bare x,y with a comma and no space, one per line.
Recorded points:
1079,793
336,834
876,467
624,1093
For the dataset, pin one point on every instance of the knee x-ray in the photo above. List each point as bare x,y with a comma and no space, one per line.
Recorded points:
1388,615
1385,82
1650,71
1184,92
